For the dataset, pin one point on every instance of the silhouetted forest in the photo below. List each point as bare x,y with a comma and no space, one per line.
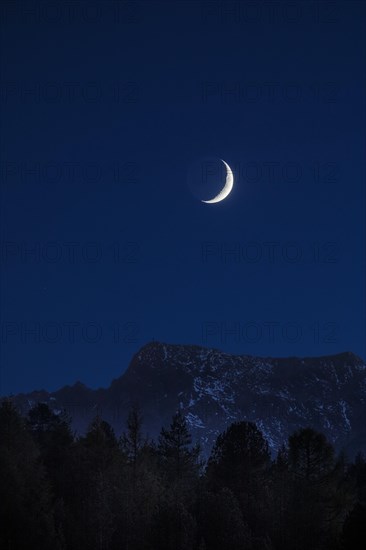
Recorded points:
99,492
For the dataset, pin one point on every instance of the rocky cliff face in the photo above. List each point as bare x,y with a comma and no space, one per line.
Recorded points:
214,389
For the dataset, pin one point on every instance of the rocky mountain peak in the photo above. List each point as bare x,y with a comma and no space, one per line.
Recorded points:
214,389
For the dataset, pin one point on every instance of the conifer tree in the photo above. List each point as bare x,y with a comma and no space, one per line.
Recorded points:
240,461
132,441
178,459
26,512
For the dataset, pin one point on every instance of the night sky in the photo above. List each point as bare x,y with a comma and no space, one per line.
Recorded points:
106,106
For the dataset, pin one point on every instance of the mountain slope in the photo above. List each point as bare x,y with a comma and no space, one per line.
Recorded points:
213,389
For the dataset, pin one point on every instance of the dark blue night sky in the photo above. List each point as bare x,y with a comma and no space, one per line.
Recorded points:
105,106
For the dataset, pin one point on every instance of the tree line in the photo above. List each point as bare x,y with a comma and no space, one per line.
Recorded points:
100,492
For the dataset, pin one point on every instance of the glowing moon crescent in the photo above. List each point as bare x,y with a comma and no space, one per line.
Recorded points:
225,191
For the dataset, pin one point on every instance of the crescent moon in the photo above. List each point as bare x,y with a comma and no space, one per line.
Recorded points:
225,191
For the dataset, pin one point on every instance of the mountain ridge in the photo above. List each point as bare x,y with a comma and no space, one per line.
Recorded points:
214,388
